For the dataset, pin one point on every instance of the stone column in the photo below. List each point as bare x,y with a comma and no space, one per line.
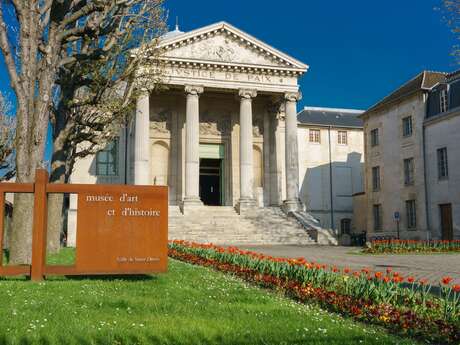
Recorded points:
142,141
292,202
192,146
246,159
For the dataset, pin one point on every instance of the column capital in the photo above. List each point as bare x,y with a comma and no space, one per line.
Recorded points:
293,96
143,92
194,89
247,93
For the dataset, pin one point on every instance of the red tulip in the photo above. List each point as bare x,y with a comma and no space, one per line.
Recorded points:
446,280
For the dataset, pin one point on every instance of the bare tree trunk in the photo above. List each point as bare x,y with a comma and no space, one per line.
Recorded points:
20,241
21,235
55,222
59,172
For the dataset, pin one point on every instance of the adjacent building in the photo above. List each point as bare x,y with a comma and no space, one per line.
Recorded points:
442,158
410,148
331,159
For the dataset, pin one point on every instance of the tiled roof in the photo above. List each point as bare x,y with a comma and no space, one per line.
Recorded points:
423,81
330,117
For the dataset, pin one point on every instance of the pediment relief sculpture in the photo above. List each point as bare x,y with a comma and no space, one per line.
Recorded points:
223,48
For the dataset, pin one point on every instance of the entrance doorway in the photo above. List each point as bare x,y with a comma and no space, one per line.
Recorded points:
447,229
211,181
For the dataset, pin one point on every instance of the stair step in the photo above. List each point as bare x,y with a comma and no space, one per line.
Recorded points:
223,225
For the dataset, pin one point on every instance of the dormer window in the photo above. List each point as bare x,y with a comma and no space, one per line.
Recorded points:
443,101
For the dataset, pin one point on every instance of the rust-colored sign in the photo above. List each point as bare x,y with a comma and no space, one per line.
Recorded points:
120,229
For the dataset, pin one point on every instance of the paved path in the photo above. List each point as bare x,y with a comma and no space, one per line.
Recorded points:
432,267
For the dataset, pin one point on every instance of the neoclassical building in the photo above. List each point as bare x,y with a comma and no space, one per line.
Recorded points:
222,134
223,127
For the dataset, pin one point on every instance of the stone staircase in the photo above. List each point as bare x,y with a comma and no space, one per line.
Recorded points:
315,230
223,225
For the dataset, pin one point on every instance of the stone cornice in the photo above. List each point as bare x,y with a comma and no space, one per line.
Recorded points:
229,66
442,117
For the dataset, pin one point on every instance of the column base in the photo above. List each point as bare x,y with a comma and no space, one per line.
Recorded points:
291,206
190,203
244,205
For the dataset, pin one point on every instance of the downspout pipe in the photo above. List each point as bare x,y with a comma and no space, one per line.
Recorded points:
330,178
427,204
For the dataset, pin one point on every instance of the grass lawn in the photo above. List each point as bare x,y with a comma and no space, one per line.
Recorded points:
188,305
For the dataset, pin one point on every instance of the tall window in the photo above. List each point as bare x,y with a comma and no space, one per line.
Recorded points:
107,160
375,179
411,214
443,101
342,137
407,126
377,215
443,168
409,171
345,226
315,135
375,137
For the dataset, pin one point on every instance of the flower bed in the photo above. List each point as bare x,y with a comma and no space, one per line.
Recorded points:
412,246
375,297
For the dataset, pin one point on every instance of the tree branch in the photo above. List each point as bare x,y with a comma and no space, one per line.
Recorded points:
8,56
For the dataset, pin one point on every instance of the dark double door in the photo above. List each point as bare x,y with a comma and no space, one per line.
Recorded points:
211,181
446,222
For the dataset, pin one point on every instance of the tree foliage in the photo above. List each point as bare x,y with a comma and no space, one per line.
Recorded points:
451,9
97,91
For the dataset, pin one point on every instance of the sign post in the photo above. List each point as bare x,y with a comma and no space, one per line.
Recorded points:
397,218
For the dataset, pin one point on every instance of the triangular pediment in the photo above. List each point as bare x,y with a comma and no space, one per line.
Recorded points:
222,43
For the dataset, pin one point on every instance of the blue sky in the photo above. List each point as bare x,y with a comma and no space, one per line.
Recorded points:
358,50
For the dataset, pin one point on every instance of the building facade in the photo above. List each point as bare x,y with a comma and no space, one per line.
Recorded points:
402,136
331,160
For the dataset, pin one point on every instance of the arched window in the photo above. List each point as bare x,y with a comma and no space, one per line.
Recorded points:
345,226
160,163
